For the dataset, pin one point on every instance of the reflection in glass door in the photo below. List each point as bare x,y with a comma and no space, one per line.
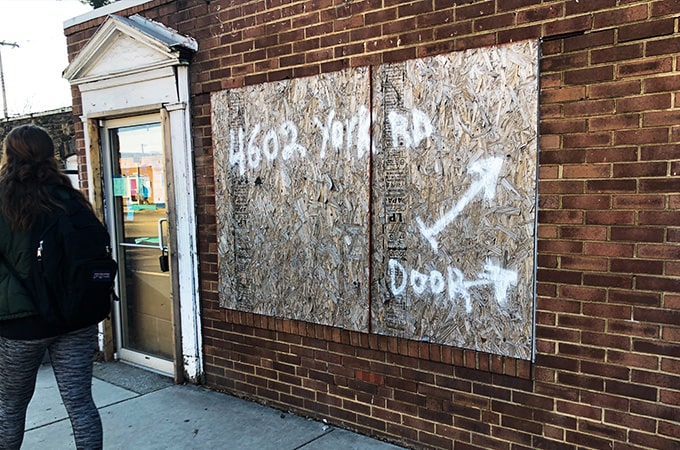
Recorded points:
138,207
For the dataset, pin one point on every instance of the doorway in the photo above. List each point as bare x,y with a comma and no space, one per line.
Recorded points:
136,200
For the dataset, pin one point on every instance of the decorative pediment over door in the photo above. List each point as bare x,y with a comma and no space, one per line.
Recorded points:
125,46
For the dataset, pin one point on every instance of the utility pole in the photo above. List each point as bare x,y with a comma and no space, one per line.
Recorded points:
2,78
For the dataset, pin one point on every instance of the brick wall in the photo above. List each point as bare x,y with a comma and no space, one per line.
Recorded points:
606,373
58,123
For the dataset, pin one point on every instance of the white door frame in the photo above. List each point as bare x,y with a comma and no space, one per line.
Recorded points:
153,77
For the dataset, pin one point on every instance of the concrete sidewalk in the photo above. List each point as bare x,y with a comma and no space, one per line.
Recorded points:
143,410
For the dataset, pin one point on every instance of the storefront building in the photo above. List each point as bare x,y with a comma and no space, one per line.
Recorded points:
443,224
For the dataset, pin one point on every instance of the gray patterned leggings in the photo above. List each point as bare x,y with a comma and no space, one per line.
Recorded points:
71,356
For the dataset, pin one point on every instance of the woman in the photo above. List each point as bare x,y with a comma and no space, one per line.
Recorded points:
29,177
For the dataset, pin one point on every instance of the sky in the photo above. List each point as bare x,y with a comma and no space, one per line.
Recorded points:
32,72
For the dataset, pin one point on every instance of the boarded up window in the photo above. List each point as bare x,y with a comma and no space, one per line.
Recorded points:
440,154
292,194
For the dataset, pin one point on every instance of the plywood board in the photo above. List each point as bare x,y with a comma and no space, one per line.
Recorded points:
292,196
455,198
437,155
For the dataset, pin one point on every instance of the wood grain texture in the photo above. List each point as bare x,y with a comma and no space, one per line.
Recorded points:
450,144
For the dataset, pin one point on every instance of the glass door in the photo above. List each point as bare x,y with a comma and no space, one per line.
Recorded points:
137,203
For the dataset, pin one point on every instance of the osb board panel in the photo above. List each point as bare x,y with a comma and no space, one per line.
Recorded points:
454,198
292,196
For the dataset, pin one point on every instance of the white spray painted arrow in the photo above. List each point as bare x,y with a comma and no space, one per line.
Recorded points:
488,171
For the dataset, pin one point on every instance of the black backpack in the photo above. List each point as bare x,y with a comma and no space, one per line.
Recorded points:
72,274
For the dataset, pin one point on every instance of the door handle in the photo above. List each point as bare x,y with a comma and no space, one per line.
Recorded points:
161,245
163,260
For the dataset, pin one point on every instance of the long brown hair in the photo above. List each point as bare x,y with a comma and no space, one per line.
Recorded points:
28,170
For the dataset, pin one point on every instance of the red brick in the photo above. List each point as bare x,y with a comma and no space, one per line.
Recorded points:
563,126
631,390
549,202
663,47
612,154
596,233
637,266
675,131
647,29
591,264
637,69
348,50
655,119
589,108
644,103
435,18
511,5
547,232
639,202
477,41
562,95
631,359
321,29
660,152
668,184
553,80
483,8
305,20
306,45
570,25
330,40
614,122
618,17
494,22
672,268
651,440
561,187
399,55
348,23
589,40
560,247
414,8
659,218
643,136
453,30
334,66
587,140
592,5
674,200
415,37
517,34
659,251
608,249
610,186
589,75
318,56
366,60
663,7
655,347
636,170
549,142
615,89
558,276
617,53
610,217
540,14
586,202
581,293
636,299
380,16
582,323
